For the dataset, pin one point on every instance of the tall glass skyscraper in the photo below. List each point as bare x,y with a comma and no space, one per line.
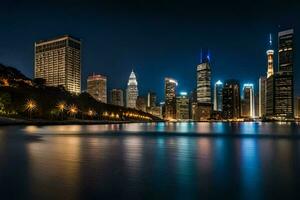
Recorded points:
132,91
248,108
231,100
284,82
218,96
182,106
262,96
170,98
204,81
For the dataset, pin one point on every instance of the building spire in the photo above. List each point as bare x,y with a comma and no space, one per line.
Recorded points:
208,55
270,58
201,55
270,40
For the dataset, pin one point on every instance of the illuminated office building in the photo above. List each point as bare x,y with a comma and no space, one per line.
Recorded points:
132,91
248,105
97,87
218,96
231,100
262,96
204,81
182,106
58,61
284,82
170,98
151,100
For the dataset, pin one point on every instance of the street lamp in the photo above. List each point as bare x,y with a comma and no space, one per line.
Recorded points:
73,110
61,106
30,106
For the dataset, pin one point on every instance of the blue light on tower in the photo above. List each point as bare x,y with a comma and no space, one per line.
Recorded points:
208,56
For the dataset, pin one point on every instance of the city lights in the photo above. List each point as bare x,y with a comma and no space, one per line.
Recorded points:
30,106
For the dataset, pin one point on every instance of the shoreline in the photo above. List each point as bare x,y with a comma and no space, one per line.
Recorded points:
4,121
39,122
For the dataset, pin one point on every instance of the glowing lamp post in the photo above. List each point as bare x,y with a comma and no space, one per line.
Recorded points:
73,110
61,107
30,106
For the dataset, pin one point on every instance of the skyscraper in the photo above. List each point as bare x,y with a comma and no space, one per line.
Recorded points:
97,87
262,95
141,103
182,106
58,61
248,108
132,91
204,81
170,98
231,99
218,96
151,99
117,97
297,107
284,82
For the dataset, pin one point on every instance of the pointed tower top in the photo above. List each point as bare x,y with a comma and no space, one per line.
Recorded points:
208,56
201,54
270,40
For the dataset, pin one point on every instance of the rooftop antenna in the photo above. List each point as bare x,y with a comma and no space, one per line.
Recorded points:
270,40
201,56
208,56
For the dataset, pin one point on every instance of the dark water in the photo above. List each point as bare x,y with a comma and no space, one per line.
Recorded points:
151,161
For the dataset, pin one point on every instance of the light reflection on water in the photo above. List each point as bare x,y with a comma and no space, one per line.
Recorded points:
112,163
246,128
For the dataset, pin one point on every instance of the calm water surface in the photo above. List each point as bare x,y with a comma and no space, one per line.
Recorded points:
151,161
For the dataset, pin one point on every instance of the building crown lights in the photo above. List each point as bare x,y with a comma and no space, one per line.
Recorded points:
219,82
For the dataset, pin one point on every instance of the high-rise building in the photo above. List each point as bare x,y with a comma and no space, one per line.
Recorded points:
182,106
270,83
97,87
204,81
297,107
193,103
270,58
141,103
248,105
58,61
231,99
151,100
284,82
170,98
218,96
117,97
262,96
132,91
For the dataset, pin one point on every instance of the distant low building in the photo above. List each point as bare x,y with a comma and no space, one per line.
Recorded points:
141,103
202,111
117,97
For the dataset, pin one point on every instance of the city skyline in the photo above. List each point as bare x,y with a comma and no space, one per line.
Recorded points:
146,51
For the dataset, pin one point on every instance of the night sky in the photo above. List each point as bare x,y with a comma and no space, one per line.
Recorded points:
156,38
